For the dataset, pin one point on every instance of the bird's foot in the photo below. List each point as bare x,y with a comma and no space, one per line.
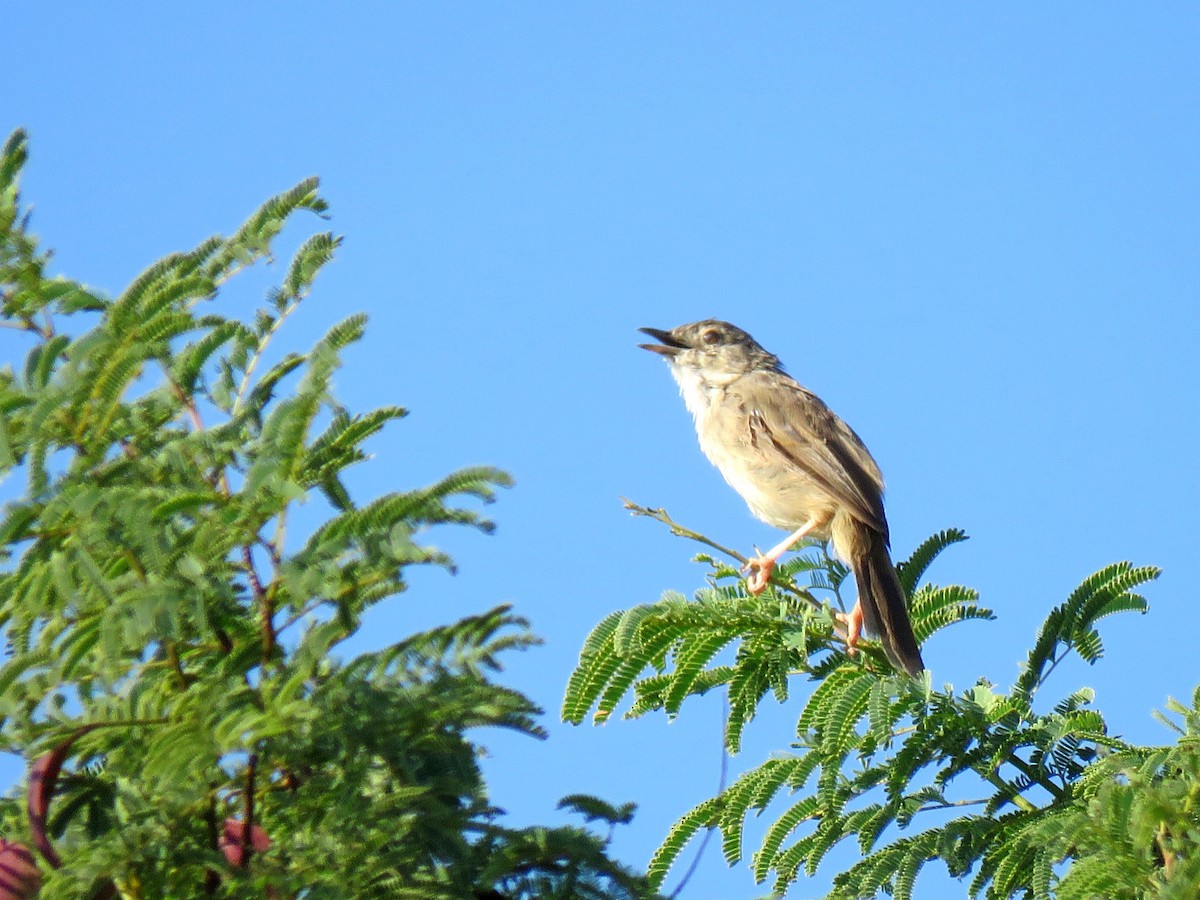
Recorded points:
854,626
759,569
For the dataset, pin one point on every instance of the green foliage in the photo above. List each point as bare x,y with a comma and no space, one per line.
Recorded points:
1000,786
1135,830
183,659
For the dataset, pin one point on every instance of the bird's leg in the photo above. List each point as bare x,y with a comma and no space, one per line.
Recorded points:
761,565
854,626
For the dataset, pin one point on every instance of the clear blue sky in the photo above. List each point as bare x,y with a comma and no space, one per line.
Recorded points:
972,228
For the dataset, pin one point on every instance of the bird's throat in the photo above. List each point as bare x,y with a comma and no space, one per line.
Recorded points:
700,389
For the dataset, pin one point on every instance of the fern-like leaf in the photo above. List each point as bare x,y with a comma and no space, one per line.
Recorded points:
911,569
702,816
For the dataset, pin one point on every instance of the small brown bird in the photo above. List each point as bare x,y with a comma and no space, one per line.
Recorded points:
797,465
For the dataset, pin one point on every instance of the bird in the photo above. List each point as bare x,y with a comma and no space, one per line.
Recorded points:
797,465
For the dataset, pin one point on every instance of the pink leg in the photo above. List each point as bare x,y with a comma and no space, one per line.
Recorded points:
854,623
761,565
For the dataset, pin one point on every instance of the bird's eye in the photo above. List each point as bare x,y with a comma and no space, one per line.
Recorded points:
711,336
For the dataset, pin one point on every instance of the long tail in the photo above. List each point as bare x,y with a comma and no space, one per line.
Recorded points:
885,611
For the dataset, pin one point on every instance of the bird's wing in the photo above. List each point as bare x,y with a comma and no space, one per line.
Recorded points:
813,439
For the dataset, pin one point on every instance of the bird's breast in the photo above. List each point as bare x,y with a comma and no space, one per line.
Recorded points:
776,491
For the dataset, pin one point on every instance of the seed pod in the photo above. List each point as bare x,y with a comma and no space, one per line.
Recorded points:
42,779
231,839
19,875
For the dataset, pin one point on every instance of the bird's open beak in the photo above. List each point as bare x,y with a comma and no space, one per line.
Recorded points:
670,344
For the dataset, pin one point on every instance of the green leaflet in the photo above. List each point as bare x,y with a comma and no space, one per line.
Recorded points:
681,832
875,753
184,660
913,569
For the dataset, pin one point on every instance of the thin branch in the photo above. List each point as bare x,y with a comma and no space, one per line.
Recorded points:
177,665
835,584
721,785
952,804
1028,771
258,352
1014,795
212,881
219,482
251,572
297,617
219,479
661,515
1045,676
266,604
272,552
27,324
123,723
248,826
1161,840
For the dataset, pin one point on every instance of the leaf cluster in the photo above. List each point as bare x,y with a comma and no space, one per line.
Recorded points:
1134,830
183,656
907,773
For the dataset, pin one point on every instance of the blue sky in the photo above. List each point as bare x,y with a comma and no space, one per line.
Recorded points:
971,228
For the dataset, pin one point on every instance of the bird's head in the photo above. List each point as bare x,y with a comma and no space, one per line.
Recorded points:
717,351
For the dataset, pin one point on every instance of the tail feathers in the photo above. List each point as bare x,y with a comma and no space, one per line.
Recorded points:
885,612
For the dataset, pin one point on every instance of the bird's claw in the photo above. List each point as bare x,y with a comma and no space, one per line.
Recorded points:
759,569
853,621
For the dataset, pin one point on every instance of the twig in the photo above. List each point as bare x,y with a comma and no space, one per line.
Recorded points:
1168,857
177,664
722,782
1018,800
296,617
219,481
660,515
248,827
1045,676
263,341
266,605
212,881
952,804
1027,770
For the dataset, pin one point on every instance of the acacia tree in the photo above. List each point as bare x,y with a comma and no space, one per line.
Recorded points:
173,673
1015,793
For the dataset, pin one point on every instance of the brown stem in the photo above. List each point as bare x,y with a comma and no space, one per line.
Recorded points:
247,842
177,664
266,606
1168,857
1026,769
212,881
660,515
189,407
219,481
258,352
